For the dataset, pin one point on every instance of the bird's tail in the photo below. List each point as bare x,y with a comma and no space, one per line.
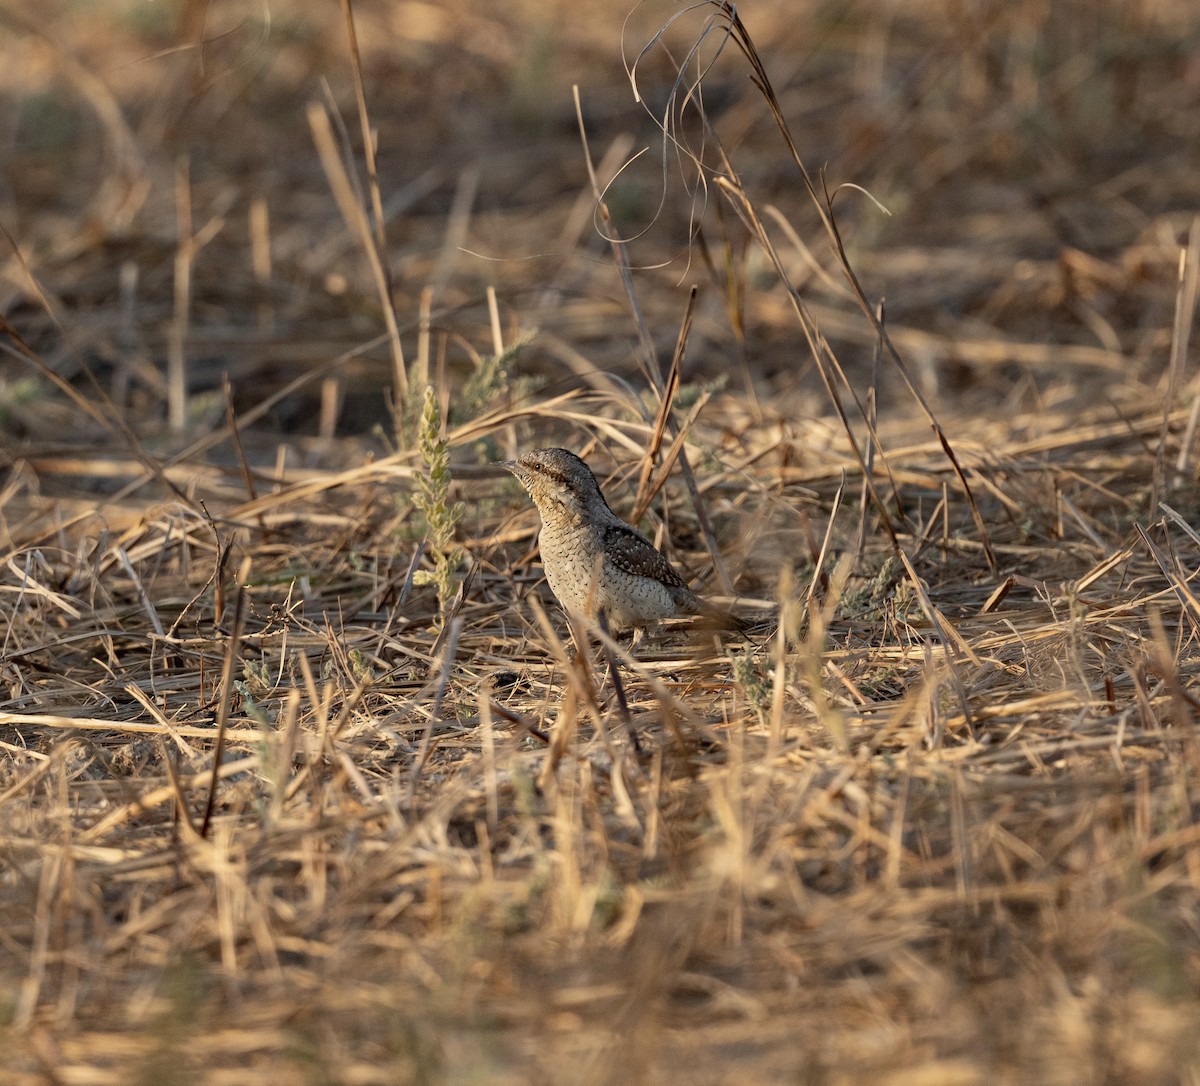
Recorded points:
719,620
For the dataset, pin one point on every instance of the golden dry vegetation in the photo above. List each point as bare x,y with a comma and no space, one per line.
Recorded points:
299,777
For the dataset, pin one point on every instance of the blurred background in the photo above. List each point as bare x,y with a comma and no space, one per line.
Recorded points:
160,193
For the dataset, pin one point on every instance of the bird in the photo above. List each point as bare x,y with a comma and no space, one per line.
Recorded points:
593,560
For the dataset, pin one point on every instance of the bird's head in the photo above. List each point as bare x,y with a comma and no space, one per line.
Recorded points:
558,482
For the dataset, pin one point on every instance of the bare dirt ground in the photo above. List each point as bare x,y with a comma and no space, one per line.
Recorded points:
299,777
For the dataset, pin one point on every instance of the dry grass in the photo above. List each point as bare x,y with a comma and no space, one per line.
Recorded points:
270,809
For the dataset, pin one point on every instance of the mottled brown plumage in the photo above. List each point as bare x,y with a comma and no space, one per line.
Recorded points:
593,559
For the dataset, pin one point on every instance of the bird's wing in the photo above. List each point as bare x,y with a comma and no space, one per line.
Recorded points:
631,552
